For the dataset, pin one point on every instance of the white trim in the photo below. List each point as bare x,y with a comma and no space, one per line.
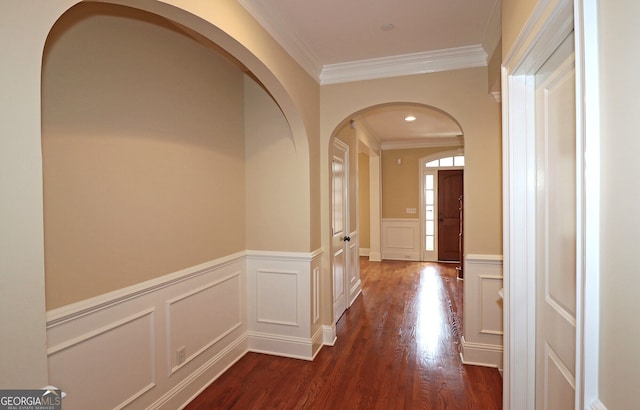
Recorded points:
284,256
364,251
588,127
329,336
483,330
484,259
407,231
285,346
405,64
186,295
550,22
481,354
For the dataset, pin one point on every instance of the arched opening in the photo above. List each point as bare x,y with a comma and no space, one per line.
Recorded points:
384,153
141,118
166,162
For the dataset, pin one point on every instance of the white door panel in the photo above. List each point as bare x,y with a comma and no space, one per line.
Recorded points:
556,230
339,227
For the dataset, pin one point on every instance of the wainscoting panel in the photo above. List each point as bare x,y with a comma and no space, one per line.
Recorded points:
401,239
482,337
283,303
157,344
200,318
91,364
277,297
151,345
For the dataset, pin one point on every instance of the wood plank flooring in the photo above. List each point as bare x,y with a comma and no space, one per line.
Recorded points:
397,348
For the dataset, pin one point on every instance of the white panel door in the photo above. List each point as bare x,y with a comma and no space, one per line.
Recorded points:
556,230
339,226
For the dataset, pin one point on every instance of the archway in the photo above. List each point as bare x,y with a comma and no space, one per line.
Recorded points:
369,133
21,153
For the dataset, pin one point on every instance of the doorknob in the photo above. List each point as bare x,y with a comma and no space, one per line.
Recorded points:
347,239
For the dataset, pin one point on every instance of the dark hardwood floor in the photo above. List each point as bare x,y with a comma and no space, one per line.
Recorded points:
397,348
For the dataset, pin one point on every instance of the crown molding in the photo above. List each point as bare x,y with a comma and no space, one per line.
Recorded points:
446,141
287,40
405,64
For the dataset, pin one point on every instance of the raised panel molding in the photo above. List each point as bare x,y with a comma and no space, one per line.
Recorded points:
215,309
283,303
482,341
401,239
129,338
277,297
87,367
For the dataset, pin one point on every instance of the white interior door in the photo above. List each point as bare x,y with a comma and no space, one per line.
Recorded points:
339,226
556,230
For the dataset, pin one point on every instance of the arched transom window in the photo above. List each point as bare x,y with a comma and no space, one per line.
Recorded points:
454,161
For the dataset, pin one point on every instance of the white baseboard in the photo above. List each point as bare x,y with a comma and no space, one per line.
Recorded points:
279,345
375,256
364,251
329,336
479,354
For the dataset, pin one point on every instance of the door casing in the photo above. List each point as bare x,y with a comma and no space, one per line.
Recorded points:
551,21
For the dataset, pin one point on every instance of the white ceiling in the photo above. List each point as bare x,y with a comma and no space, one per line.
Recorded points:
387,125
345,40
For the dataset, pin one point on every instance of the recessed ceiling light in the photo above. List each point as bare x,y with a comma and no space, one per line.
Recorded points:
387,27
409,118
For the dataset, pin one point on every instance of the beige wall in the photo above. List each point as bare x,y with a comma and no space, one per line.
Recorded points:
620,127
494,69
138,124
463,95
515,14
401,183
363,201
275,177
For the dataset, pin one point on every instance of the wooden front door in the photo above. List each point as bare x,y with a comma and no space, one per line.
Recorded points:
450,187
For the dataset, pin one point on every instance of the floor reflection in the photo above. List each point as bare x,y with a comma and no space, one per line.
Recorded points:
430,315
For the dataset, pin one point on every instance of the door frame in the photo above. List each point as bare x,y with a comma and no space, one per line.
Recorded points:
422,217
550,22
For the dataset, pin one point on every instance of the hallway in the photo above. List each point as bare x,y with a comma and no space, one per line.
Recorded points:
397,348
